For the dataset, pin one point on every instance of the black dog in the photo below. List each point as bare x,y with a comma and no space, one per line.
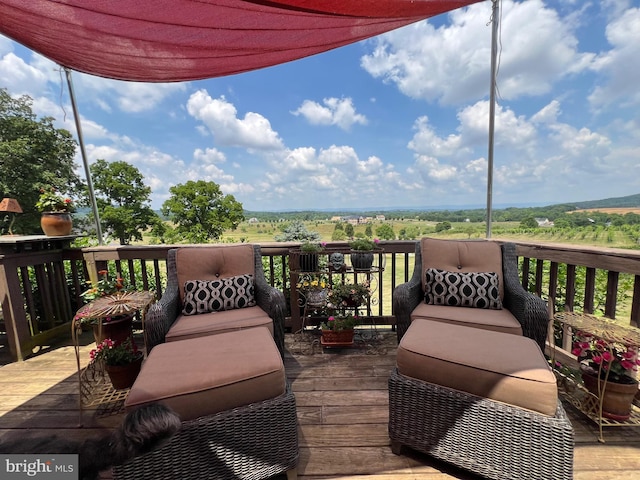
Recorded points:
141,431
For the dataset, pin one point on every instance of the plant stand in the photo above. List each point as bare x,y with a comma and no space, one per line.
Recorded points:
572,390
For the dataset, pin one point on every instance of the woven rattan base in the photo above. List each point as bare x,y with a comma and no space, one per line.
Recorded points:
493,439
253,442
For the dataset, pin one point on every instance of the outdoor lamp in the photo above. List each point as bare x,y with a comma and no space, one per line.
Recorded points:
10,205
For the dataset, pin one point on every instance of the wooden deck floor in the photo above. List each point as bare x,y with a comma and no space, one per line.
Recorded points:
342,409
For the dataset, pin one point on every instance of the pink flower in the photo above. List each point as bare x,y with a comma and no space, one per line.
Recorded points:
577,351
331,319
627,365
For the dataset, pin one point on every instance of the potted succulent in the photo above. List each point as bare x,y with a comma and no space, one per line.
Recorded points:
117,326
608,371
362,253
56,212
309,256
122,361
338,329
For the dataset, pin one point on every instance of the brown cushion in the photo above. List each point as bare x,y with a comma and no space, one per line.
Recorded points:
211,374
502,367
496,320
213,263
462,256
194,326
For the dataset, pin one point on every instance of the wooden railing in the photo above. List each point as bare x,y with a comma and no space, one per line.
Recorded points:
40,290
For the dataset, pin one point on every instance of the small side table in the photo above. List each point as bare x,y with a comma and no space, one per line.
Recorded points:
94,386
611,332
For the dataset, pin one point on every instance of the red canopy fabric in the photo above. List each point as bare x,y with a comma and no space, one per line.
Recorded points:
177,40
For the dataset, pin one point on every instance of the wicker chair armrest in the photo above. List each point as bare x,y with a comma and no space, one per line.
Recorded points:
529,309
161,316
407,296
270,299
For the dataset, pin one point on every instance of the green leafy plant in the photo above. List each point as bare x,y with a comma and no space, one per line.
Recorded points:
311,247
113,354
613,361
340,322
51,201
348,295
364,244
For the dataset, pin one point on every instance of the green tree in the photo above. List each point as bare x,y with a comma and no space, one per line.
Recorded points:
33,155
123,200
529,222
296,231
443,226
348,229
368,232
201,212
385,232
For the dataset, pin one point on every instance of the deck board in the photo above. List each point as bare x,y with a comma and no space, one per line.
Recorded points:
342,403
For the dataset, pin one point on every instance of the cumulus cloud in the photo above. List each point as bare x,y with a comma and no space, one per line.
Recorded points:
451,63
619,65
221,118
335,111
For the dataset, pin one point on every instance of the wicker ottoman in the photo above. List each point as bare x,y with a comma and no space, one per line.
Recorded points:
484,401
239,415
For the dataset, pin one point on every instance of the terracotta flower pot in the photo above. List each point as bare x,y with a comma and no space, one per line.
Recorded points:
339,337
618,397
123,376
56,224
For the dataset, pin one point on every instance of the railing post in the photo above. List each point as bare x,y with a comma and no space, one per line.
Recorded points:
15,318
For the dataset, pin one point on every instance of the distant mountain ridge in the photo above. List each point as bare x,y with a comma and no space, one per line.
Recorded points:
614,202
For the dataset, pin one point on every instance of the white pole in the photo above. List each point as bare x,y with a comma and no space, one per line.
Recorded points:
492,111
87,172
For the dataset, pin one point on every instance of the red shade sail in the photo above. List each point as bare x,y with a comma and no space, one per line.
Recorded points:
176,40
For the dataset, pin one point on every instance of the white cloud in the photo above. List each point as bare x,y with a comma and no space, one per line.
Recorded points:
253,131
336,111
620,65
451,63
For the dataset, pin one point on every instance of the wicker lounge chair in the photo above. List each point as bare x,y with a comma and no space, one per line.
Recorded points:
529,310
471,403
164,320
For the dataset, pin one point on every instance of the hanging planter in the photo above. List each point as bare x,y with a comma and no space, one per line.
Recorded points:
56,224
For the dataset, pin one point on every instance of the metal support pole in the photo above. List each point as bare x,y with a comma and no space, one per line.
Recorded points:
492,111
87,172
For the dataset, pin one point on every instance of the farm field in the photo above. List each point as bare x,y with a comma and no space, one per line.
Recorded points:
616,210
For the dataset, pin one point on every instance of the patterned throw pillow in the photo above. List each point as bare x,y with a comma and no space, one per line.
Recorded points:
457,289
204,296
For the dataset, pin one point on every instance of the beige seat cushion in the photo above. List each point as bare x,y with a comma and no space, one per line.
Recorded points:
502,367
194,326
206,375
495,320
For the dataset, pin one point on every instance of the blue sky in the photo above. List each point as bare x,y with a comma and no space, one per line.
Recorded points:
400,120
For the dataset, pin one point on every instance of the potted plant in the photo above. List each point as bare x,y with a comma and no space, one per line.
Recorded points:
338,329
56,212
609,372
348,295
362,253
309,256
117,327
313,290
122,361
